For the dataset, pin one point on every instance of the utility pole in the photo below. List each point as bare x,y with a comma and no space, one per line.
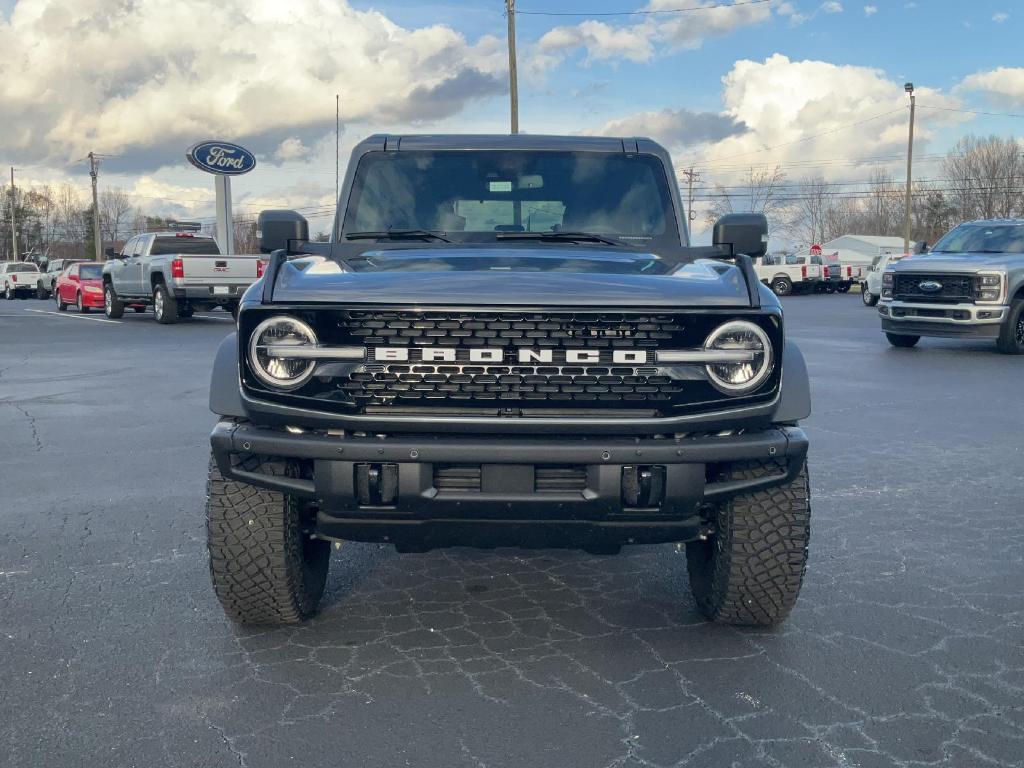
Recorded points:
909,88
691,176
94,166
513,81
14,224
337,145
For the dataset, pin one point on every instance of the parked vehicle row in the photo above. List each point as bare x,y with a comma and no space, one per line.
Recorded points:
795,273
19,279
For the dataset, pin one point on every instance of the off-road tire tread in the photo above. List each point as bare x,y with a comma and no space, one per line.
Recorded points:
256,547
750,571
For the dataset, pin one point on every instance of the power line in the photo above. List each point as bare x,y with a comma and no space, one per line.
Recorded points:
972,111
661,11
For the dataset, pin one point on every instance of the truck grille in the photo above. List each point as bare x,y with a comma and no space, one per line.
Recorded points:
468,478
615,381
907,287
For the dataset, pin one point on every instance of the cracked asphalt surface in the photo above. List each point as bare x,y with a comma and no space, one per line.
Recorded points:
905,649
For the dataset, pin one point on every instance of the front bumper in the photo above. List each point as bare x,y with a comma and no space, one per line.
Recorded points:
92,300
931,319
387,489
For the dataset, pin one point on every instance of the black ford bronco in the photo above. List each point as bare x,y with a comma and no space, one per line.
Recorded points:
508,341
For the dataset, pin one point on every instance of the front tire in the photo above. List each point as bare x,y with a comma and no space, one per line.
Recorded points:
41,293
868,297
901,340
1011,335
165,308
845,288
80,304
113,307
749,572
264,566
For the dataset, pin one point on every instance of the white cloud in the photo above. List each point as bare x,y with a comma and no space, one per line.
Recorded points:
291,148
638,42
832,6
145,78
1000,17
870,10
1003,85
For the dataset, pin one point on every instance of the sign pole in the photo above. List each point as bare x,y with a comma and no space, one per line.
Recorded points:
225,225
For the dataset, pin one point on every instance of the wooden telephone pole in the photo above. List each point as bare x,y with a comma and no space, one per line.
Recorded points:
513,80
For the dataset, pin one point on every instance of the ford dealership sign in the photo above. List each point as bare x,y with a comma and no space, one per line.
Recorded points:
221,157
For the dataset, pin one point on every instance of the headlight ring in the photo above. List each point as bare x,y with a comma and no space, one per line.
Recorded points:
740,378
277,371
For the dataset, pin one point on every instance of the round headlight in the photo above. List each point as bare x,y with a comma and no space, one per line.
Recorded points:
751,351
269,354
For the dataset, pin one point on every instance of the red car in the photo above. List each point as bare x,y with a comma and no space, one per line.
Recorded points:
80,285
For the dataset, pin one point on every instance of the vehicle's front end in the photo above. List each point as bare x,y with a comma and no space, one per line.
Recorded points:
958,290
566,394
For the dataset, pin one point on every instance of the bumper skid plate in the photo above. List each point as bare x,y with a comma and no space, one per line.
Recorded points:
421,492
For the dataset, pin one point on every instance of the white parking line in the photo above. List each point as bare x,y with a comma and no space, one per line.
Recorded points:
75,317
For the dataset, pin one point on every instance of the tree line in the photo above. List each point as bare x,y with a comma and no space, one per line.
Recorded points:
980,178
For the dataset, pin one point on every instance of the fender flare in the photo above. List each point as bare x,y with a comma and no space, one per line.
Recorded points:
225,384
795,398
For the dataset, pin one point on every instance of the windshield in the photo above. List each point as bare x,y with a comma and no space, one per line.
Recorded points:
22,267
196,246
471,196
983,238
90,271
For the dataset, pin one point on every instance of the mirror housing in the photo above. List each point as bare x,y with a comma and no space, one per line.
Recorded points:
110,253
742,233
274,228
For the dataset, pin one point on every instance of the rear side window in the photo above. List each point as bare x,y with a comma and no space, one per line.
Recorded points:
196,246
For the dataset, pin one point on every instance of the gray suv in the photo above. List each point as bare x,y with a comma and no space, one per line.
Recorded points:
970,284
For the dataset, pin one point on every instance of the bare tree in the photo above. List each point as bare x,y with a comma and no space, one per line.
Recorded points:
115,213
761,192
245,236
985,177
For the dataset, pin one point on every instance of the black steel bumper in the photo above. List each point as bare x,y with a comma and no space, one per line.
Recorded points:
628,490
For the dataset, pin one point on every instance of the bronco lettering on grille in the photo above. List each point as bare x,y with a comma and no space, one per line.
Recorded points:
525,356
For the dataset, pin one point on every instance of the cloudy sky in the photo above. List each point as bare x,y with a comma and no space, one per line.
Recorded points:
814,86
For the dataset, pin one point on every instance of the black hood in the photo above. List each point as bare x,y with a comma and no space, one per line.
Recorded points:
570,276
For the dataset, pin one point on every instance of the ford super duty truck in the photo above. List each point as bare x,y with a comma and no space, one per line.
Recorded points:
177,273
508,341
969,285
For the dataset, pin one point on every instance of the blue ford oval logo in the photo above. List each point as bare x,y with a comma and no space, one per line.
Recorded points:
221,157
930,286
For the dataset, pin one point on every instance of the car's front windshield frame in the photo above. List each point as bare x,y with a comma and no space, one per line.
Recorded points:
660,230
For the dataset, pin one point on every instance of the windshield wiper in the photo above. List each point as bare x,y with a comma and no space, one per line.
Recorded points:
566,236
399,234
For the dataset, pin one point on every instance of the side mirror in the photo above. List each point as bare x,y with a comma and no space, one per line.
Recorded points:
743,233
111,254
275,228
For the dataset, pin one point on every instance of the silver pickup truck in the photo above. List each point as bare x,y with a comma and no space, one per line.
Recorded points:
970,284
177,273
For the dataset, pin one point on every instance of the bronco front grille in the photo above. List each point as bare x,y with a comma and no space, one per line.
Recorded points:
620,376
953,288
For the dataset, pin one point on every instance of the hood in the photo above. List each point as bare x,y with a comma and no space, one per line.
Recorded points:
562,276
943,263
93,282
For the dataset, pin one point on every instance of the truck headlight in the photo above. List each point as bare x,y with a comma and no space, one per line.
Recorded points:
269,348
888,278
988,287
752,353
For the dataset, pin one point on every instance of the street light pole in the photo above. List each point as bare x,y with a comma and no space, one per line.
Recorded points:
909,88
14,224
513,81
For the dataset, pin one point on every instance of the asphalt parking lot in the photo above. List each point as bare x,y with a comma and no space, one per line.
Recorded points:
906,648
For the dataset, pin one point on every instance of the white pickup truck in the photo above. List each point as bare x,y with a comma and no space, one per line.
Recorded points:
177,273
18,278
788,274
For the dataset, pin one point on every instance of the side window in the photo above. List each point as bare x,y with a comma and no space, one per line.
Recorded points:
126,249
140,244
